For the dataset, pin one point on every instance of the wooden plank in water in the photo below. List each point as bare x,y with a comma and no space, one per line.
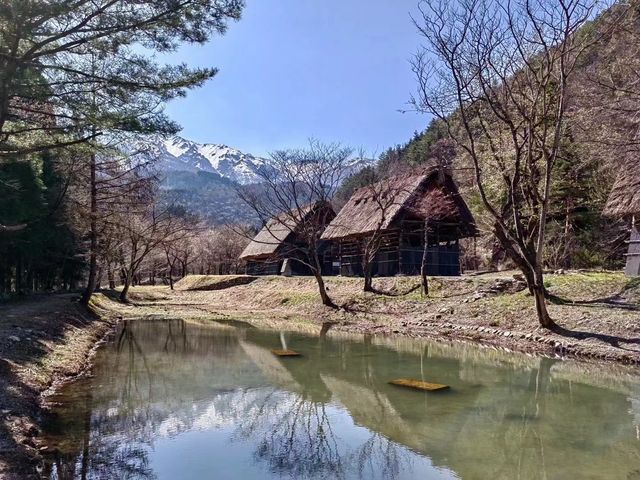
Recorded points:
285,353
419,384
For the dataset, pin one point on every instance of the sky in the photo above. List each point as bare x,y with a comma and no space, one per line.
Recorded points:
290,70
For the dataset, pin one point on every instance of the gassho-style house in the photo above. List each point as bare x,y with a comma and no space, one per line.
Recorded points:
278,246
409,202
624,202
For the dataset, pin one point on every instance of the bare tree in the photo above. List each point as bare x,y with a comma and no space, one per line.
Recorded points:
217,249
496,74
141,234
296,188
180,251
105,189
387,195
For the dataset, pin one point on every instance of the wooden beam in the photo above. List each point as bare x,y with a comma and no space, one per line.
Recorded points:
285,353
419,384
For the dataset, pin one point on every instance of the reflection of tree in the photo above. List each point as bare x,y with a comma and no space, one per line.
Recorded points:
381,457
294,436
117,460
98,456
378,456
128,403
160,379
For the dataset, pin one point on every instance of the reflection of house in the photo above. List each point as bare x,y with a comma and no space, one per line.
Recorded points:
279,247
398,210
624,201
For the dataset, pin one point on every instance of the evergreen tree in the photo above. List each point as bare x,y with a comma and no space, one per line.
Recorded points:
48,52
43,255
82,76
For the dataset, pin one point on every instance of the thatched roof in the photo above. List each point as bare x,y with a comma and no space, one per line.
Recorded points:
432,194
624,198
281,230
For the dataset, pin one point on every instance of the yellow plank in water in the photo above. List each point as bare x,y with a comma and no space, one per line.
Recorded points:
285,353
419,384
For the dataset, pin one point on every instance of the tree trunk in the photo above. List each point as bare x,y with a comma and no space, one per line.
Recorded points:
317,273
152,275
93,235
324,296
184,269
368,281
511,252
568,229
539,294
29,286
369,254
111,277
99,278
125,288
19,275
423,265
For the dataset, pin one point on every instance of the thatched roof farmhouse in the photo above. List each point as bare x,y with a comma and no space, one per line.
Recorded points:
279,240
624,198
624,201
398,207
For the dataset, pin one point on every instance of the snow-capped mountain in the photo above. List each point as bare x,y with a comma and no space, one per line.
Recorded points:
179,154
204,177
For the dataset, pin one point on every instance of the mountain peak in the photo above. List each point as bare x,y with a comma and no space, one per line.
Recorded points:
179,154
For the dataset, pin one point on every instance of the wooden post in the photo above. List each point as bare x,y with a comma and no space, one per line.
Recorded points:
425,256
400,247
632,267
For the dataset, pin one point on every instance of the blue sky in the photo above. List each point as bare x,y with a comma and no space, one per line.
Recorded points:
335,70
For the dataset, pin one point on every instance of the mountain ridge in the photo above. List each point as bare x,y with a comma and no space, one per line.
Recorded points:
177,153
205,177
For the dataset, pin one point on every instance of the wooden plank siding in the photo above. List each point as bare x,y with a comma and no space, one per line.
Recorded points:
401,251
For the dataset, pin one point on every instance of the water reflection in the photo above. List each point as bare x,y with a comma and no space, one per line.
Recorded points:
177,400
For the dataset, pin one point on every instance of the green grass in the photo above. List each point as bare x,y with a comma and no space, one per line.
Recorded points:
587,285
510,301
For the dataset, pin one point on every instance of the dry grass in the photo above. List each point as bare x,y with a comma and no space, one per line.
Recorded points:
212,282
599,310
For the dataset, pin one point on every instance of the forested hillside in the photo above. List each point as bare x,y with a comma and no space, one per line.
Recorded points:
601,138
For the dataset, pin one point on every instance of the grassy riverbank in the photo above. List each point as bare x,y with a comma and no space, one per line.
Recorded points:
44,341
599,312
49,339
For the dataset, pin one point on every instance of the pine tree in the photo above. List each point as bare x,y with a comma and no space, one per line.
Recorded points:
48,53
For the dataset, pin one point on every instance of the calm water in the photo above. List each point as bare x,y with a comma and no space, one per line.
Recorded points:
171,400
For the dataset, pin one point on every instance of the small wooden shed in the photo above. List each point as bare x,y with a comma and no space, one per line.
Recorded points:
278,248
431,195
624,201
